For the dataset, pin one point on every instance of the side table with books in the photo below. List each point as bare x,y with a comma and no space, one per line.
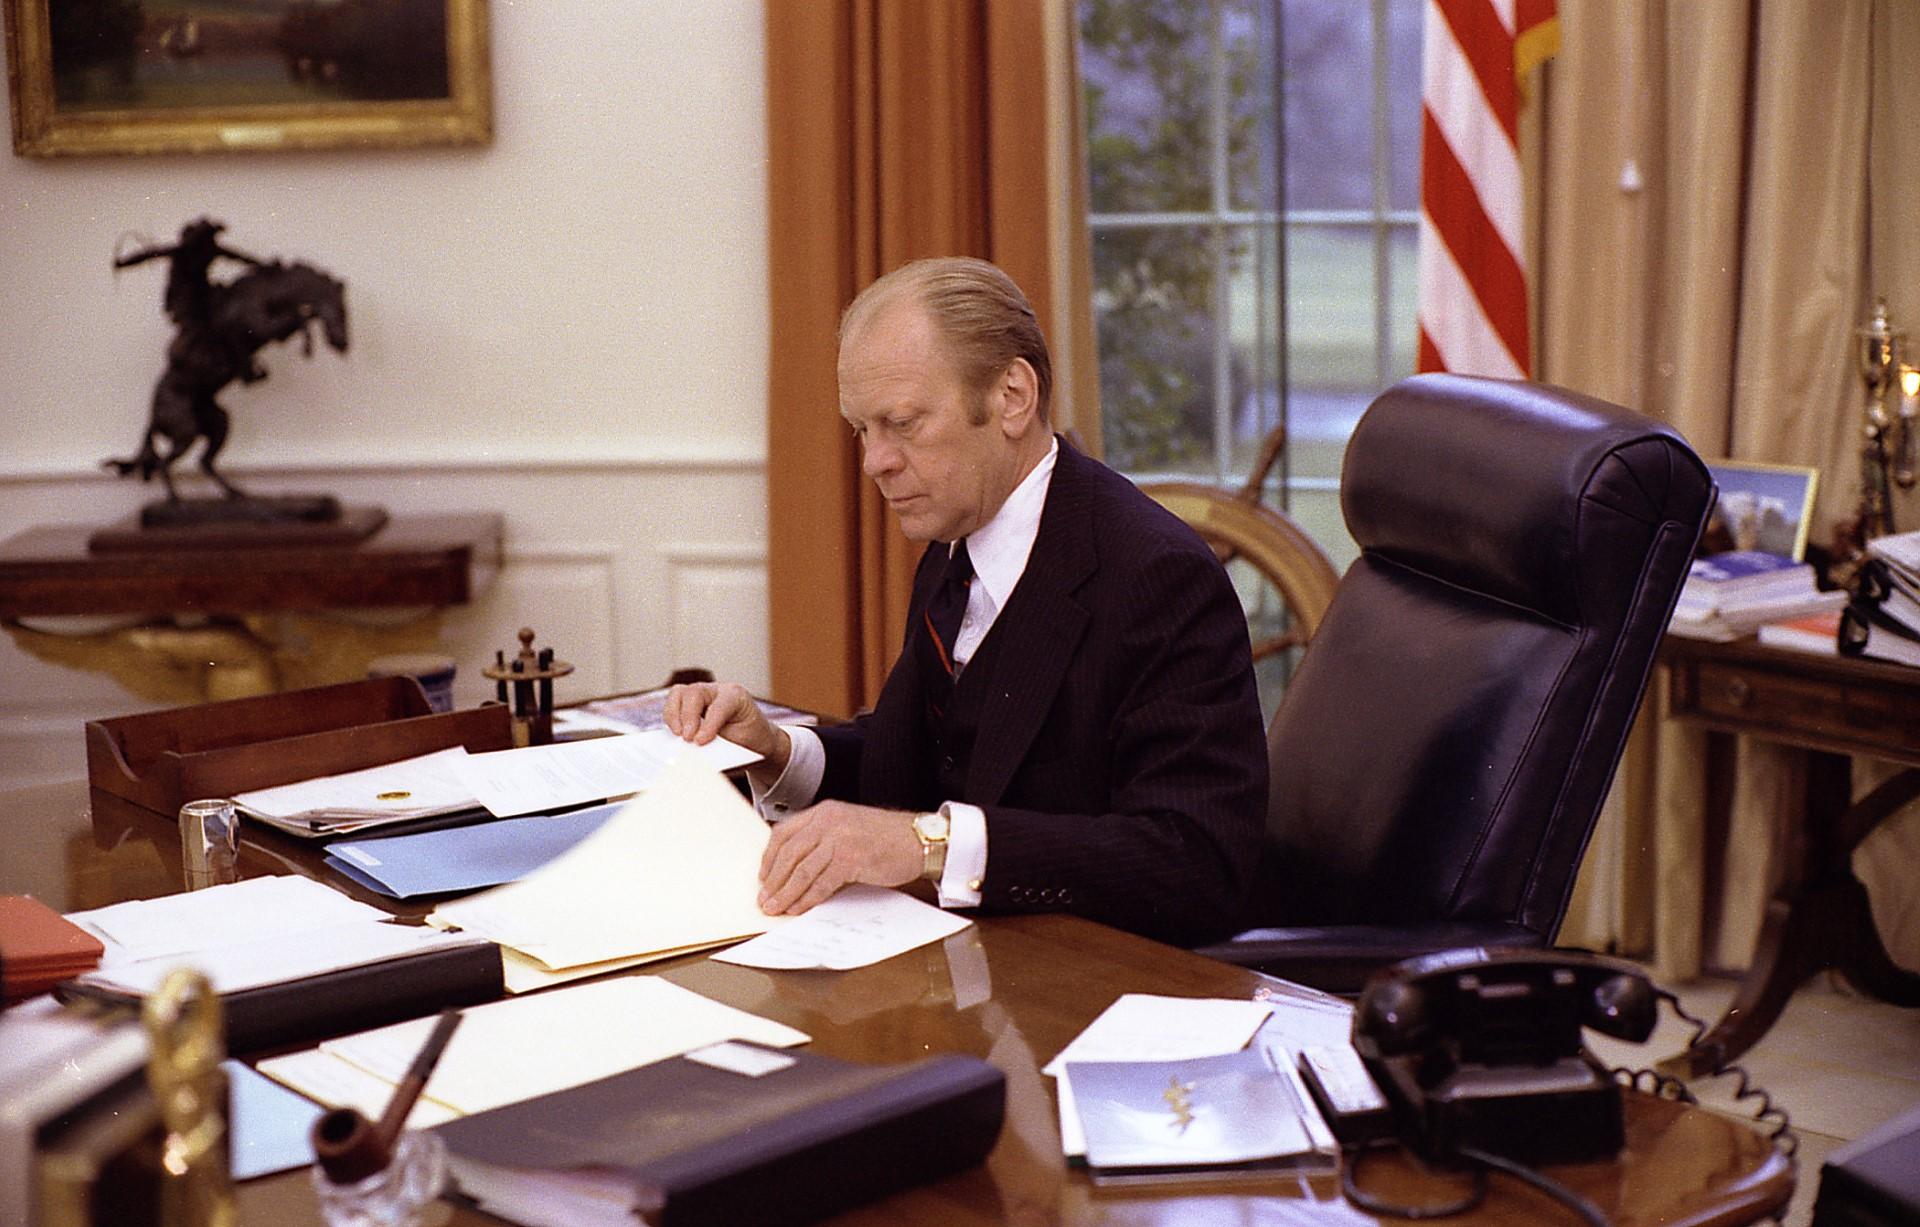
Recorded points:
1825,710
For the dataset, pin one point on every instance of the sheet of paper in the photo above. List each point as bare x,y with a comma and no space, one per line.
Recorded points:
269,1128
280,958
677,866
516,1049
649,711
325,1078
428,784
857,926
534,778
524,975
250,910
463,858
1146,1027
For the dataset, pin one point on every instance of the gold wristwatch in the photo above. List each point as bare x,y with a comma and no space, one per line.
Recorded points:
931,830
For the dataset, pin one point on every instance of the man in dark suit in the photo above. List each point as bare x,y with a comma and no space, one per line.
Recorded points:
1072,724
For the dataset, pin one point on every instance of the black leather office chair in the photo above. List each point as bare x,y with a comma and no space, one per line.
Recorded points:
1441,756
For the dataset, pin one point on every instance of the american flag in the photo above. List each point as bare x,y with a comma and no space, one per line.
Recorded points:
1473,285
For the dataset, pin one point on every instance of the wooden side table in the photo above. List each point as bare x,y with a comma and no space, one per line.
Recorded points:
224,623
1824,709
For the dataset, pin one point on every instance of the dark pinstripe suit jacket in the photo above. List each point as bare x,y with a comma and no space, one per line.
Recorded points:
1120,759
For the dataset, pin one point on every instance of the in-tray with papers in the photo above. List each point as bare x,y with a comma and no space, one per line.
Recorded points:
414,788
505,783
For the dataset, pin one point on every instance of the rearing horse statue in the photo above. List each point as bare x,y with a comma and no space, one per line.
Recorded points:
221,329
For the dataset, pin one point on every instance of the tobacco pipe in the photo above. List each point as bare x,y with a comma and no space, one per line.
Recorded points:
348,1147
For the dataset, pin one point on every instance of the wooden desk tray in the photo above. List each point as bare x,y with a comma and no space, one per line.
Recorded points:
161,760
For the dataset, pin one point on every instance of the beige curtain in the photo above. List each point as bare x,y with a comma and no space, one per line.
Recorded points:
897,131
1719,202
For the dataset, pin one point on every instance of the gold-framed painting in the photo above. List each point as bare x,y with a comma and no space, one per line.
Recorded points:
199,76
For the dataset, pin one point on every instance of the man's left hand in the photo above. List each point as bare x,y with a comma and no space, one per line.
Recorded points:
819,850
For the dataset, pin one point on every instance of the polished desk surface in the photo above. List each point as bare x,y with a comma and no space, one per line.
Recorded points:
414,560
1013,990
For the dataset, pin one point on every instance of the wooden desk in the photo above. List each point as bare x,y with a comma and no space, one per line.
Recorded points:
1823,709
226,606
1012,990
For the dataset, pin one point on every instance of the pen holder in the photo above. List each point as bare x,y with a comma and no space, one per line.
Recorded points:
396,1195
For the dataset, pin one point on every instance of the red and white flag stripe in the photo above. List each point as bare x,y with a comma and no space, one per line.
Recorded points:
1473,284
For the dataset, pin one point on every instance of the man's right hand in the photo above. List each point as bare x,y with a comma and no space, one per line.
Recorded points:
704,710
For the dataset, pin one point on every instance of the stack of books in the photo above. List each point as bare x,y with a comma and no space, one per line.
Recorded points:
1883,619
1732,594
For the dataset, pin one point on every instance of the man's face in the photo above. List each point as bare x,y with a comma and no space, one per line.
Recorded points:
941,473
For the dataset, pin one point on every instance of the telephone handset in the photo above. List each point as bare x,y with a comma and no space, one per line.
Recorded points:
1481,1051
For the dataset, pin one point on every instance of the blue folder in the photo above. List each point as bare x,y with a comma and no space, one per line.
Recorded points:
463,858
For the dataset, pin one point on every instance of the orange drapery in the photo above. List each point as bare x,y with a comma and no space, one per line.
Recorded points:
895,131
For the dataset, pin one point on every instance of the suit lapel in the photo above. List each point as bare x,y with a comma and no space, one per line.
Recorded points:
1042,625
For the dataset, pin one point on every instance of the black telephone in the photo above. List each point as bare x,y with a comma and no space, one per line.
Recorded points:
1480,1051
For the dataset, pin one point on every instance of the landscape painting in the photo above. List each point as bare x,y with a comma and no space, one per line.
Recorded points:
157,76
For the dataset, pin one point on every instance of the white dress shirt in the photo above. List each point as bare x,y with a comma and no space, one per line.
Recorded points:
999,549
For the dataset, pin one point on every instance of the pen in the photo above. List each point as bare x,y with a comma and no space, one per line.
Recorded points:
348,1148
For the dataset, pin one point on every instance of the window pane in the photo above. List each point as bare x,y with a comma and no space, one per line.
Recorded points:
1333,365
1247,43
1255,325
1146,68
1403,104
1329,103
1403,299
1153,289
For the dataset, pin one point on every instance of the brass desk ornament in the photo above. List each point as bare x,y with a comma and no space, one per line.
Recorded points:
1888,438
526,682
182,1021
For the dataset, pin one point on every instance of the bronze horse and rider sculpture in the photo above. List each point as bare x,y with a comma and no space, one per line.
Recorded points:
220,328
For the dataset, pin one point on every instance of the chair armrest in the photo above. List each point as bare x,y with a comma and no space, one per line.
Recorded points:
1339,958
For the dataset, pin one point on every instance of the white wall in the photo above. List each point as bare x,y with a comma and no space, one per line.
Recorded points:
568,326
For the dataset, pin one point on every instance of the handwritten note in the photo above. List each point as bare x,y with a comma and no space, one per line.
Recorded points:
858,926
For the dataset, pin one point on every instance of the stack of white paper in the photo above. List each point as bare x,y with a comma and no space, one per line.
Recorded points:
247,934
413,788
516,1049
533,778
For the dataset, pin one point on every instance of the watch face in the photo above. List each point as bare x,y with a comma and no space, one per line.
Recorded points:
931,827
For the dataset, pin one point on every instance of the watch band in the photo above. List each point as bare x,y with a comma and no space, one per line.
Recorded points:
933,846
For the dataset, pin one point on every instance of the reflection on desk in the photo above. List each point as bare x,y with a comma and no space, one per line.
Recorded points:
1013,990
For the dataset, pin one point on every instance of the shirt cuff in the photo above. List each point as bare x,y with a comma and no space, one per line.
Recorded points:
800,782
966,855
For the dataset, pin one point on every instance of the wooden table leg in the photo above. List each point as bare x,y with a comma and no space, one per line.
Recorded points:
1818,916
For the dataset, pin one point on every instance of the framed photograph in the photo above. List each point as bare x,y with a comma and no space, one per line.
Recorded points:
195,76
1761,507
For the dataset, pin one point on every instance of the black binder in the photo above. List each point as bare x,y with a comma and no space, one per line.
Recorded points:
352,999
690,1144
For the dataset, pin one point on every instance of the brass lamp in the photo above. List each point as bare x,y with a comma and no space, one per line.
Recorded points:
1887,440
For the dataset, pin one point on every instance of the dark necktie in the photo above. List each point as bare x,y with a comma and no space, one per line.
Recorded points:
941,623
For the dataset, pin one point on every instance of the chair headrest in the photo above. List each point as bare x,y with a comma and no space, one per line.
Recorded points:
1488,484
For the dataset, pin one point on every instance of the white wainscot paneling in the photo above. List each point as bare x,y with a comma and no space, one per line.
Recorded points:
717,609
566,595
627,568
